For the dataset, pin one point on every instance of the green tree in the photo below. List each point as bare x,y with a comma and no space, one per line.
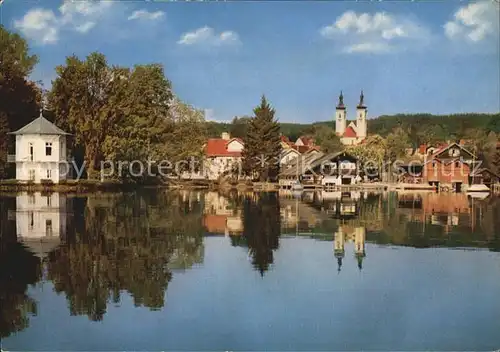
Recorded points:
186,134
19,97
262,144
88,99
326,138
397,143
238,127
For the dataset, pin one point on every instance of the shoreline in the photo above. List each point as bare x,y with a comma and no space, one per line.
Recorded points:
91,186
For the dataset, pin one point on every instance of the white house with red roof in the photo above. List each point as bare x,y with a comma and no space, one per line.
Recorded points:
223,156
354,132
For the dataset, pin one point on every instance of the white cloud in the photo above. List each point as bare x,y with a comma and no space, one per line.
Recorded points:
40,25
44,26
84,28
381,32
207,35
145,15
474,22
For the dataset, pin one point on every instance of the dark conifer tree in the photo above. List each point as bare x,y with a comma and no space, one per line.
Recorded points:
262,144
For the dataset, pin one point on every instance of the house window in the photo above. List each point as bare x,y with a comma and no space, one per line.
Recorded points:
457,164
31,220
49,201
48,227
49,174
31,199
48,148
32,174
31,151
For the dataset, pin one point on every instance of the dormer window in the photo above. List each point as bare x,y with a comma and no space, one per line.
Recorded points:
48,148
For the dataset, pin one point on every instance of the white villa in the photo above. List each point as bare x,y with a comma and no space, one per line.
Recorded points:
41,152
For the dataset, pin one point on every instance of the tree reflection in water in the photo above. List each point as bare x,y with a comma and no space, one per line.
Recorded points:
125,242
261,228
19,268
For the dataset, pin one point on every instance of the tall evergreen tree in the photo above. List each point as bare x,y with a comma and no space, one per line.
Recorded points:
262,144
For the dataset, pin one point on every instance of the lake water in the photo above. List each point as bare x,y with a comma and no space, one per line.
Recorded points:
196,271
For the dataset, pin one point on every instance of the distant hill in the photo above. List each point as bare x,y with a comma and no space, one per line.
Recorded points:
442,127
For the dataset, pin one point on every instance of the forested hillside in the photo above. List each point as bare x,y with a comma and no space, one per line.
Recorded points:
421,128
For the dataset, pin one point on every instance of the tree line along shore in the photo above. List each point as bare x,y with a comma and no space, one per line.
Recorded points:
132,113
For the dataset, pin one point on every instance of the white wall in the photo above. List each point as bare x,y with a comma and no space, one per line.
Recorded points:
214,167
40,163
234,146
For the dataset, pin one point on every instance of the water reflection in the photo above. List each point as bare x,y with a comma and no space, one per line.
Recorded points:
97,248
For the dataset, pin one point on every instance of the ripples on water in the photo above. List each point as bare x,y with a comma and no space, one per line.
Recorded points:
208,271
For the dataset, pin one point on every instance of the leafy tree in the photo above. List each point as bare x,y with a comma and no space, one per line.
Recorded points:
238,127
397,143
88,99
262,144
186,133
19,97
326,138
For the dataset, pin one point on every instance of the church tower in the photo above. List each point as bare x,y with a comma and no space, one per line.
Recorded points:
361,117
340,118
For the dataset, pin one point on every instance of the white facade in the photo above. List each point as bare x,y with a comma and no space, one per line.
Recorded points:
341,121
288,155
39,157
41,152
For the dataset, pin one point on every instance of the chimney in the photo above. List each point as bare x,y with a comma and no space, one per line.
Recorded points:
225,136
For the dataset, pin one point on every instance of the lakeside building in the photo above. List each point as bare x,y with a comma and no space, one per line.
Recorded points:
223,156
354,133
41,152
328,170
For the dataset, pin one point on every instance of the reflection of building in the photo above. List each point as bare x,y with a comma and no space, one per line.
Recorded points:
220,216
348,234
339,205
446,209
41,220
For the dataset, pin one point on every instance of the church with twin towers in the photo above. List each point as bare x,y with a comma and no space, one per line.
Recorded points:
355,132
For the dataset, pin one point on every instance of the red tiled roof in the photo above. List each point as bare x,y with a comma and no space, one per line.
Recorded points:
350,133
218,147
422,148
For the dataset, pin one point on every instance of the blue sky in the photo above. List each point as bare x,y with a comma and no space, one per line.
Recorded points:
436,57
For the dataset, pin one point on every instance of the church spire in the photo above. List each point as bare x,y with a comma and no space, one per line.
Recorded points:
361,100
340,105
